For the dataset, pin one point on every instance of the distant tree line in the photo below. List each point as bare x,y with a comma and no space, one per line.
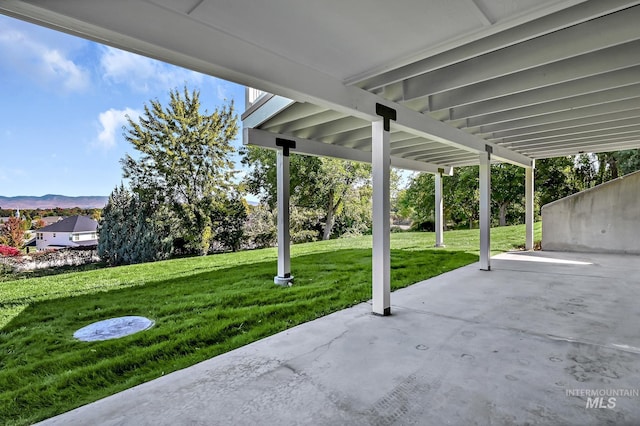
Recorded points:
329,197
34,214
555,178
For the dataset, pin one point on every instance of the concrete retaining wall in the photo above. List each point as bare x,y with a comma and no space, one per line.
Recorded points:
603,219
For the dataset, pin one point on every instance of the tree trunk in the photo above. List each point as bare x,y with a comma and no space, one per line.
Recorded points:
503,214
613,166
328,226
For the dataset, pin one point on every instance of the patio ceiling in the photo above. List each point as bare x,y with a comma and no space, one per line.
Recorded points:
530,78
562,84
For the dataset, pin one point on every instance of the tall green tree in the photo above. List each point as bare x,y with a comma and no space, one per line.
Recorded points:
507,183
355,217
607,167
184,161
130,231
611,165
418,201
260,226
338,184
555,178
329,185
629,161
228,218
584,173
461,194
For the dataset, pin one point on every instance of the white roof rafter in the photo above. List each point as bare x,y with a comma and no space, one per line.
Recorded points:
267,140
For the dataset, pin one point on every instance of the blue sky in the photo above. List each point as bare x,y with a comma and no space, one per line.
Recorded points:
63,105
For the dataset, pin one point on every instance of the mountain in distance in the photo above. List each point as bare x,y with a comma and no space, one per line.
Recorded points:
51,201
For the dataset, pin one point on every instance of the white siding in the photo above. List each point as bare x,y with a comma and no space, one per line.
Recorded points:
252,95
65,239
84,236
52,239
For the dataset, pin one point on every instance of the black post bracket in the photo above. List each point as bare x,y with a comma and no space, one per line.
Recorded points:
387,113
286,145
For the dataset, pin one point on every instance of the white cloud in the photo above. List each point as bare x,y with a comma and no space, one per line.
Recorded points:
43,63
143,74
73,77
222,92
111,122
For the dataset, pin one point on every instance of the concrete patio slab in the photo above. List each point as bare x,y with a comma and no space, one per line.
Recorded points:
526,343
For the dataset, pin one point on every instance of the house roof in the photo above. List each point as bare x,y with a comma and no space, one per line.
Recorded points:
72,224
50,220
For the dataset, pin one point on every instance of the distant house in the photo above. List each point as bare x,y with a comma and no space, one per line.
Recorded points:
73,231
50,220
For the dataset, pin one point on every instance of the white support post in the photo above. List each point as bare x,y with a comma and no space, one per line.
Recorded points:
485,209
284,276
528,217
381,262
439,213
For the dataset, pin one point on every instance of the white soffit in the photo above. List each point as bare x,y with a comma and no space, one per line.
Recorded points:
564,84
348,38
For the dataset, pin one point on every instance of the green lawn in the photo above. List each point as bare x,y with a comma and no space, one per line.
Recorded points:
202,306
